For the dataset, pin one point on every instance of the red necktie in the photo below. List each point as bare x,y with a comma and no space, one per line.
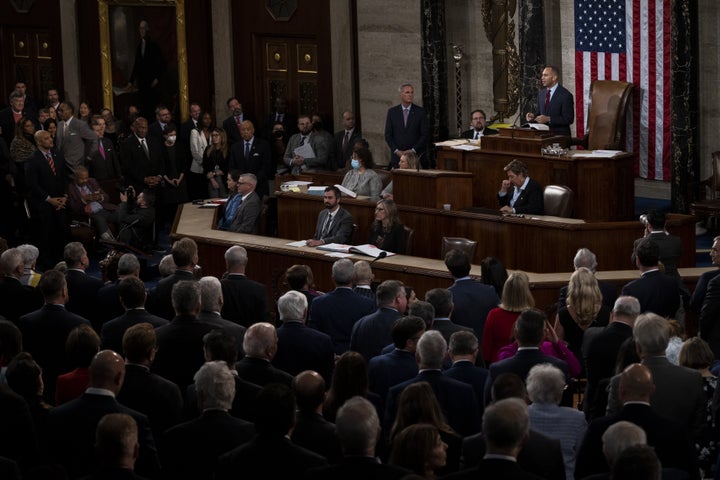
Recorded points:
51,163
547,101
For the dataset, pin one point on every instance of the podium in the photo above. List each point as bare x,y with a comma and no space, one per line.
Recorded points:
433,188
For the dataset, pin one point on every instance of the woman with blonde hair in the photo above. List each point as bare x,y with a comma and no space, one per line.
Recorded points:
408,161
497,332
387,232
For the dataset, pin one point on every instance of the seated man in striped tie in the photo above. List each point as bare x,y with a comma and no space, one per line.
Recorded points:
335,224
478,122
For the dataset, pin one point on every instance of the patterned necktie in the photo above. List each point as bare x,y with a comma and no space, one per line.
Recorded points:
303,140
547,101
326,228
51,163
346,139
101,148
145,147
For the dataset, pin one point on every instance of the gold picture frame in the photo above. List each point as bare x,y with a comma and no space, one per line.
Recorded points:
105,48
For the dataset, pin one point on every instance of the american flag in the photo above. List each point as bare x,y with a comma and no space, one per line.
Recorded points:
629,40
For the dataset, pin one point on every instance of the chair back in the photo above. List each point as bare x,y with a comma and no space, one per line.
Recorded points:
606,114
558,200
408,240
715,179
458,243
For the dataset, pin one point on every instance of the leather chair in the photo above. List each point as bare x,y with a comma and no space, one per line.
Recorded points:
458,243
558,200
606,116
408,240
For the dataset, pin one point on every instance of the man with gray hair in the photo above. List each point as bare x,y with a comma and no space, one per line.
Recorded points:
180,343
372,332
185,256
211,302
406,128
586,258
620,436
16,299
245,219
456,399
191,449
245,301
678,392
299,346
601,345
30,254
260,345
107,296
336,312
358,428
362,279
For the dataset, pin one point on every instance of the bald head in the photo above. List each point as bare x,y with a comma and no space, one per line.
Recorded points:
309,388
107,370
636,384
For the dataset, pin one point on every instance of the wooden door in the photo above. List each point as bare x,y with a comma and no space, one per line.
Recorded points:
30,57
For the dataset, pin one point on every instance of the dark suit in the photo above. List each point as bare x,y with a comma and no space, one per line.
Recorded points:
667,438
372,332
245,301
340,230
336,312
136,225
109,298
470,134
231,128
389,369
540,455
267,457
180,349
446,328
104,168
495,468
709,321
113,331
342,155
259,162
45,332
560,110
136,165
670,248
72,425
17,299
191,449
230,328
457,401
18,441
313,432
473,301
414,135
244,404
156,130
529,201
7,122
261,372
82,295
247,215
464,371
289,123
303,348
160,299
656,292
698,296
358,468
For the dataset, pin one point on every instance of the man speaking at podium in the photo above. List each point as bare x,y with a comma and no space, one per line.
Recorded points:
555,104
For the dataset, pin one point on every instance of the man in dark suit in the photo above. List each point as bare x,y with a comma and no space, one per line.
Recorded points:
358,428
136,220
233,123
87,201
16,299
46,199
245,301
82,288
345,139
398,365
335,224
165,405
464,350
131,291
281,115
479,128
456,399
247,205
108,297
506,427
311,430
656,292
585,258
336,312
555,104
71,426
530,327
372,332
142,158
600,352
709,324
180,343
299,346
18,441
407,128
670,246
75,140
191,449
260,345
519,193
45,331
472,300
678,392
668,438
253,155
702,286
441,300
189,125
211,304
163,117
185,256
11,115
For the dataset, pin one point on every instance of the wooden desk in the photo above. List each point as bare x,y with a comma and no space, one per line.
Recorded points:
535,244
270,257
604,187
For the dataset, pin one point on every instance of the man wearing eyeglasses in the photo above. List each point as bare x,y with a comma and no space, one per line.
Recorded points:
245,219
479,129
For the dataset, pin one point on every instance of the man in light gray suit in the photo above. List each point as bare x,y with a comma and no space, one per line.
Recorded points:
335,224
75,140
246,216
298,163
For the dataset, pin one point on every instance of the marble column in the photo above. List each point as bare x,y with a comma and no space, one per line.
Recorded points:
531,31
434,71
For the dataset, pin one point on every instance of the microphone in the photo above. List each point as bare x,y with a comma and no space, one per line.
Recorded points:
382,254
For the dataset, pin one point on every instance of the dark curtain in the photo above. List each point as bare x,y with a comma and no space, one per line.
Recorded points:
532,54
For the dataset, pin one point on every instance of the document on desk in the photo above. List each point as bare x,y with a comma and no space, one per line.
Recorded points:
305,151
467,147
300,243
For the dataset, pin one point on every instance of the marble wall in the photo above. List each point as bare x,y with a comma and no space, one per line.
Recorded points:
709,73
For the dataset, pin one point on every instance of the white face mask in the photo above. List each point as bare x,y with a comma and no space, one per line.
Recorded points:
172,138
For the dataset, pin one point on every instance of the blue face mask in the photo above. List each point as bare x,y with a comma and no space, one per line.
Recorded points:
355,164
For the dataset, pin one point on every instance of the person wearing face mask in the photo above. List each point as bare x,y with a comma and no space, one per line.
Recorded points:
362,179
174,191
